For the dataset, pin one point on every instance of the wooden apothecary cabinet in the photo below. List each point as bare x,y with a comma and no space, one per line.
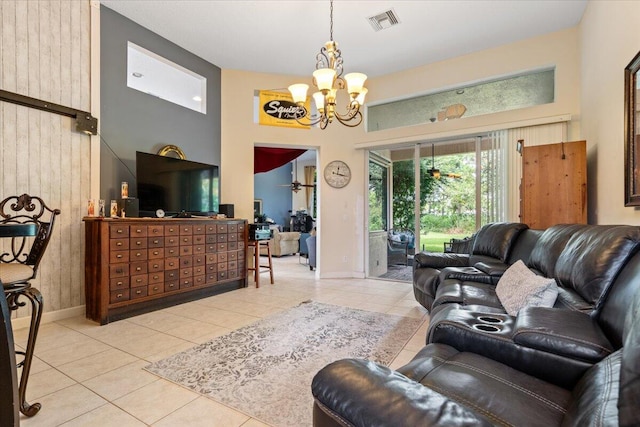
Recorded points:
136,265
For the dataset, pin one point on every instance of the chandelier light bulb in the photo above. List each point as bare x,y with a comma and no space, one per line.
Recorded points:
318,98
299,92
324,78
355,82
361,95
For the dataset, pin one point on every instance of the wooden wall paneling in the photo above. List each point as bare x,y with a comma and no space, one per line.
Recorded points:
44,53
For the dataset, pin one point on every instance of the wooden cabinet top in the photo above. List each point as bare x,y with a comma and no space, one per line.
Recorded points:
164,220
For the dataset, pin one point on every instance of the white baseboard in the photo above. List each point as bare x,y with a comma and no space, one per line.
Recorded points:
343,275
48,317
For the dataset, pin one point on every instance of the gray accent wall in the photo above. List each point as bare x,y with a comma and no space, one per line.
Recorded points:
276,199
134,121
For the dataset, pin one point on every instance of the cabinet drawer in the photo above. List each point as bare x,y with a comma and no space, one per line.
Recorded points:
186,261
199,280
232,237
211,228
222,238
222,266
171,275
118,270
118,284
232,228
232,256
116,231
139,267
211,238
186,240
186,272
199,260
171,241
118,256
138,231
171,285
233,265
157,277
139,243
199,249
222,228
199,240
240,229
222,247
233,273
156,253
212,268
155,289
223,257
117,296
186,230
172,263
156,242
212,248
232,246
222,275
172,251
212,258
199,229
186,250
119,244
139,292
171,230
140,255
186,283
199,271
212,278
156,230
156,265
139,280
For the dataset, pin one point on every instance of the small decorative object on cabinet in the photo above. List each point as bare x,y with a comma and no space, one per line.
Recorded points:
137,265
554,184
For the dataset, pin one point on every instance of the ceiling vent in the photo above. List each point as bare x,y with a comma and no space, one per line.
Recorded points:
384,20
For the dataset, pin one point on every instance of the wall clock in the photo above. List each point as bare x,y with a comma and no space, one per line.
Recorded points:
337,174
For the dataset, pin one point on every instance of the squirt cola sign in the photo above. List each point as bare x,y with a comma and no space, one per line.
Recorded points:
278,109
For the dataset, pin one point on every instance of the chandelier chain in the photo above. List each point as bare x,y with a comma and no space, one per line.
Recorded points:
331,20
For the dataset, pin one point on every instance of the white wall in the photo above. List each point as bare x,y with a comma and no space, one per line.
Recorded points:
609,39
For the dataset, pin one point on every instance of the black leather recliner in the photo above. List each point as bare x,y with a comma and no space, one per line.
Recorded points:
442,386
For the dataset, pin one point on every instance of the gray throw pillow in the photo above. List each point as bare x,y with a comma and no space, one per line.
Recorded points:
520,287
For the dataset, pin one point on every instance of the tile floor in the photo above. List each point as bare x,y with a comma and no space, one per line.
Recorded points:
90,375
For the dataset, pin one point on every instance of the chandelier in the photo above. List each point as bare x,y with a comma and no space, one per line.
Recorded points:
327,78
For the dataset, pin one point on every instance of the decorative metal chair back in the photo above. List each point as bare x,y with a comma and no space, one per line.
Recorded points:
26,209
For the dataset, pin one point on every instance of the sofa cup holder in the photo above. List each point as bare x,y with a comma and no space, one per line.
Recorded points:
490,319
486,328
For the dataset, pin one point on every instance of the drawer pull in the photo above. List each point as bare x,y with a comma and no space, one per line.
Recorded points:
155,288
119,231
119,296
120,283
119,256
155,230
138,231
138,268
138,254
119,270
156,252
138,292
119,244
138,280
138,243
155,266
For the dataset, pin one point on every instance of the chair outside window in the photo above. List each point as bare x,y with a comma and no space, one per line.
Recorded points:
19,265
400,244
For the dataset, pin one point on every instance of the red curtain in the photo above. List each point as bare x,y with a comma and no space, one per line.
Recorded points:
266,159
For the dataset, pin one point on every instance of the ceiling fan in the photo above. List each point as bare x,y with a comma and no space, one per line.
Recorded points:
296,185
436,172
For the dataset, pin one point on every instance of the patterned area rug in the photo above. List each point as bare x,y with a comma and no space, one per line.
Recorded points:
399,272
265,369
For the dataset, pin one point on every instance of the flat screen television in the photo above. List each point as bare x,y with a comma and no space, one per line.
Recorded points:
176,185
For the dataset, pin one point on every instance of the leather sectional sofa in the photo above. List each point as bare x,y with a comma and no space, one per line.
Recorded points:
547,366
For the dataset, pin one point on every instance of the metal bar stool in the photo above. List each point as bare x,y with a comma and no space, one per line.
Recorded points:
28,222
257,267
